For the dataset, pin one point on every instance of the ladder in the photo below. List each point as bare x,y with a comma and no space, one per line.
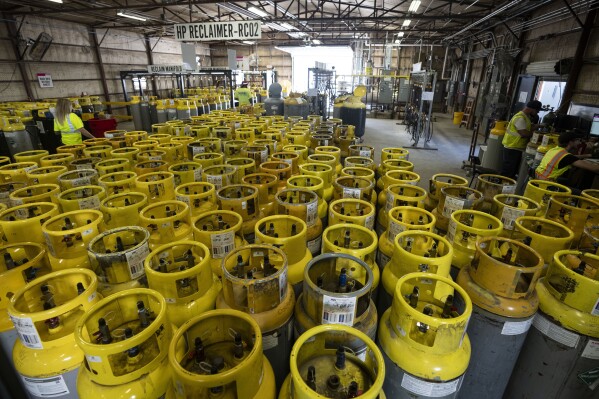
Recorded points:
467,112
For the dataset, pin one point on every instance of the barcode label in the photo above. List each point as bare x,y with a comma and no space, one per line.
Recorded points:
390,201
351,193
314,245
217,180
16,202
222,244
263,155
81,181
546,139
369,223
535,138
453,226
452,204
46,387
337,310
30,168
365,153
509,216
508,189
555,332
197,174
311,213
418,387
197,150
49,244
288,161
84,166
282,285
27,332
135,260
89,203
182,199
394,229
22,213
155,158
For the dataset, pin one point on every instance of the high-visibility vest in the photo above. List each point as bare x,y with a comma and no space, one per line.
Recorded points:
548,168
69,130
512,139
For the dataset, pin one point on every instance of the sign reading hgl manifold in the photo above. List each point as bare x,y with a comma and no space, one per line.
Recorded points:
165,68
233,30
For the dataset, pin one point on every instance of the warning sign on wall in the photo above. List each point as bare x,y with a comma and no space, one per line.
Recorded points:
206,31
45,80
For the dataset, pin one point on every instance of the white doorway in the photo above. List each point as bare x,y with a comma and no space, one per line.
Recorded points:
549,93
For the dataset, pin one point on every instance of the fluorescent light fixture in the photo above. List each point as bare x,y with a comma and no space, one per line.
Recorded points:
131,16
282,10
397,41
56,1
406,22
400,34
287,26
257,11
247,42
296,35
238,10
316,41
414,6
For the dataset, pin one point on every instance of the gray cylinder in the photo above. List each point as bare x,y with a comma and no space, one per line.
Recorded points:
136,114
162,116
274,106
171,114
492,157
153,114
146,122
298,108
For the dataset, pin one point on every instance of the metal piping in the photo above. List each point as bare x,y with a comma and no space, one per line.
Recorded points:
491,15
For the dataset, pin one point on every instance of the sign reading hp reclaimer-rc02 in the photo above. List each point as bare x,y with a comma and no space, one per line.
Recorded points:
233,30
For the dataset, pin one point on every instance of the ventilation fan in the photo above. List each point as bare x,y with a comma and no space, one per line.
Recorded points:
40,46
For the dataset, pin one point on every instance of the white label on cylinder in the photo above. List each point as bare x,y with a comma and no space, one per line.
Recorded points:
51,387
535,138
30,168
369,223
155,158
452,204
394,229
81,181
539,156
516,327
92,297
27,332
222,244
509,216
591,350
89,203
263,155
16,202
595,310
49,244
311,213
365,153
197,174
351,193
84,166
508,189
314,245
87,232
555,332
545,140
382,259
22,213
270,341
93,359
430,389
288,161
453,227
217,180
337,310
282,285
182,198
197,150
390,201
135,260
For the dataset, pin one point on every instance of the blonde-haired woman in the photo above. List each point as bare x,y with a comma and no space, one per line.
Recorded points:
69,124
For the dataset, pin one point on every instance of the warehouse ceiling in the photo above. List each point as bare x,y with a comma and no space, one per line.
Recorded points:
304,21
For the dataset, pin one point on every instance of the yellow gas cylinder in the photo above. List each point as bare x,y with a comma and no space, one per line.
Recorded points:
300,150
267,185
398,195
414,251
150,166
394,153
185,140
181,273
125,339
344,142
84,163
245,133
31,156
320,139
346,187
220,175
454,198
271,145
118,182
399,177
78,178
567,319
360,161
145,145
220,231
111,134
352,211
99,151
541,191
186,172
44,313
135,136
402,218
316,185
287,233
591,193
167,221
84,197
74,149
6,160
466,228
243,199
200,196
232,149
303,204
20,263
113,165
282,170
354,240
509,207
437,182
158,186
117,258
423,338
491,185
391,164
67,236
297,137
360,150
121,210
129,153
161,138
501,284
325,172
117,142
23,223
17,172
258,153
218,354
46,174
261,272
245,166
210,144
59,159
337,290
36,193
330,150
357,171
327,350
574,212
275,135
160,128
223,133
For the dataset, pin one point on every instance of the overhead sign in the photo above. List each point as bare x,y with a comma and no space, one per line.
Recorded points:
165,68
45,80
207,31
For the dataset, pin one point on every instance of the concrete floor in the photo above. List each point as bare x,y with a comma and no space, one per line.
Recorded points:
452,142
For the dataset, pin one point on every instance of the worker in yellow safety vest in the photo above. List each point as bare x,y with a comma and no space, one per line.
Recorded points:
68,124
559,160
243,94
516,137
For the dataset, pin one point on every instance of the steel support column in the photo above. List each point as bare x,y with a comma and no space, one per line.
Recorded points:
150,62
12,33
94,39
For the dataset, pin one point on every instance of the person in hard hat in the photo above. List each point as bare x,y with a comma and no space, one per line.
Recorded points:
243,94
69,124
560,159
516,137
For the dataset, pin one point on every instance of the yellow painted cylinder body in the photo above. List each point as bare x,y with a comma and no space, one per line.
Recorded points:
509,207
35,193
243,199
78,178
575,212
454,198
352,211
541,191
23,223
84,197
46,174
121,210
167,221
158,186
118,182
